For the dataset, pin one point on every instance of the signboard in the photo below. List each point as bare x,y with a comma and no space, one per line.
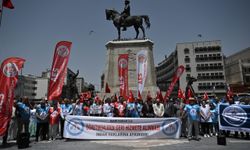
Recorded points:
234,117
86,127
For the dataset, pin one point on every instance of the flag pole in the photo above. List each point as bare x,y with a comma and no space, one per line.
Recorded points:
1,16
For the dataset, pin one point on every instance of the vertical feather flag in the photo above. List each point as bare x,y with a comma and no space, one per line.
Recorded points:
8,79
59,69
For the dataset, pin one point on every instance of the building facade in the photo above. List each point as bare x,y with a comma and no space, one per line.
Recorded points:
26,86
36,88
202,60
237,70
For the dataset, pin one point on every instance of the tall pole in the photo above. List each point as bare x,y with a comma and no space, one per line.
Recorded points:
1,11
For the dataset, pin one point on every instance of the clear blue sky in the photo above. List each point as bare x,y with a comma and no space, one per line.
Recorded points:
34,27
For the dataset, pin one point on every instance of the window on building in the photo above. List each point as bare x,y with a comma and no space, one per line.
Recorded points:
247,79
188,69
187,59
186,51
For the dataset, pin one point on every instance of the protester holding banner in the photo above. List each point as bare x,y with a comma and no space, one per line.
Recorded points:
121,107
78,109
108,108
66,109
193,111
158,108
147,109
131,110
170,108
86,107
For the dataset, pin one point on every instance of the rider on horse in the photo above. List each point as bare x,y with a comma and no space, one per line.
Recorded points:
125,13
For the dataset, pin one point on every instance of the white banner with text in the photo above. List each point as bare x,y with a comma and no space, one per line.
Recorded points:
86,127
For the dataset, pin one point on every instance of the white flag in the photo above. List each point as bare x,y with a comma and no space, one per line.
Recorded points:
142,64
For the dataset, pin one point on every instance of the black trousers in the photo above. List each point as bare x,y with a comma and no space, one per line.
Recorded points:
5,137
43,129
62,127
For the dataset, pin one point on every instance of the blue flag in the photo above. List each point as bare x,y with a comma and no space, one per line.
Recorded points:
234,117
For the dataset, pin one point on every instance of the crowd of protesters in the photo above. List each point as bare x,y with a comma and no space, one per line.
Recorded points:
45,120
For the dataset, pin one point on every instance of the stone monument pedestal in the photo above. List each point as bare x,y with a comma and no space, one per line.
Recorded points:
130,47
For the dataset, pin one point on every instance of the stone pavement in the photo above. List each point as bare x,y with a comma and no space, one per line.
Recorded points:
161,144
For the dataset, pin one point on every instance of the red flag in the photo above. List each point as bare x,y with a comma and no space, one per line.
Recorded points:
205,96
8,79
149,97
176,77
189,93
229,92
59,69
123,74
131,97
8,4
107,89
139,95
159,95
181,94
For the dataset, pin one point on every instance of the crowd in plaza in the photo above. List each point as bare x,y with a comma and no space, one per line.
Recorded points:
45,120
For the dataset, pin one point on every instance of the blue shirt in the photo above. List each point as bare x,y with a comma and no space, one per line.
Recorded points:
43,114
193,111
78,110
24,111
66,109
131,110
214,115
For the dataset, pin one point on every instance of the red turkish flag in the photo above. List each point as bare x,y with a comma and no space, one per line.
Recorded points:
107,89
149,97
205,96
8,79
181,94
8,4
59,69
131,97
139,95
159,95
189,93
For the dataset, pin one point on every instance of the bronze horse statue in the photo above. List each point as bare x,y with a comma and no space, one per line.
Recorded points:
135,21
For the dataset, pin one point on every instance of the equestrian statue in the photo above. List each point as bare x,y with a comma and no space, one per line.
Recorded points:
124,20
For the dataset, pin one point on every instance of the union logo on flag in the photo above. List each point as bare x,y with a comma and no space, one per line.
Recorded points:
10,70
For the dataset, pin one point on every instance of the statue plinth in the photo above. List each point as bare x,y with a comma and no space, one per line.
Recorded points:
130,47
